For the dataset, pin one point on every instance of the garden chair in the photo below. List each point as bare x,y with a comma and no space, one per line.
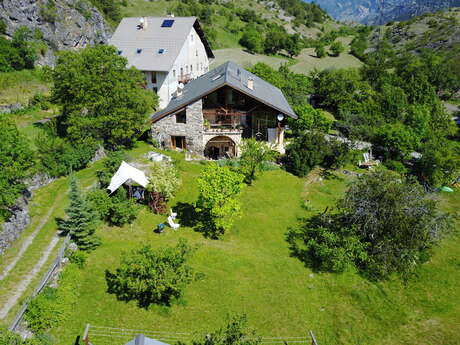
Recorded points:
171,223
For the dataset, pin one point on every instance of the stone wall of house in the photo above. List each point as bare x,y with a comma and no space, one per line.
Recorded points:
192,130
235,135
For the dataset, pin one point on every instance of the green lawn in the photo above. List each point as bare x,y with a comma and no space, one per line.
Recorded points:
307,60
250,271
19,86
245,59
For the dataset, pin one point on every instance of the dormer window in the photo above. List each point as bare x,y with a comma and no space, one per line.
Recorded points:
138,51
120,52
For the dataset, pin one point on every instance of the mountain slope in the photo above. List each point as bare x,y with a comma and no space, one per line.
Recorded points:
64,24
381,11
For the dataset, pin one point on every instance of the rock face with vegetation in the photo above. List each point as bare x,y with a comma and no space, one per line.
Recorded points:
64,24
381,11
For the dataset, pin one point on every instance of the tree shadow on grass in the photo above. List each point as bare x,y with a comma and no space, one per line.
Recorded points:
186,214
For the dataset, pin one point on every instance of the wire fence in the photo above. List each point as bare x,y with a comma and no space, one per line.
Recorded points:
99,335
55,265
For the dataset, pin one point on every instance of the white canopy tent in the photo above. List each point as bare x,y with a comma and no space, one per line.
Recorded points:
125,173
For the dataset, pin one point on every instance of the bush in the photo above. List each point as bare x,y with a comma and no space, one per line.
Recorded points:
396,166
163,184
41,101
254,156
325,245
337,48
152,276
54,305
320,52
305,152
110,166
58,157
117,209
78,257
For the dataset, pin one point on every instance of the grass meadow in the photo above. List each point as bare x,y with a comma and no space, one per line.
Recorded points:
251,271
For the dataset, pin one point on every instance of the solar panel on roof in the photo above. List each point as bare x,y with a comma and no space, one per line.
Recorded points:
161,51
167,23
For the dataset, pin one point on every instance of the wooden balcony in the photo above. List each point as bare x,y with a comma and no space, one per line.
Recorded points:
185,78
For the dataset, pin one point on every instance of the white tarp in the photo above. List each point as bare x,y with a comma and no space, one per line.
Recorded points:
127,172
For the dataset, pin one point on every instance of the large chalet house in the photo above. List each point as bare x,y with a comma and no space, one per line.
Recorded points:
168,50
211,115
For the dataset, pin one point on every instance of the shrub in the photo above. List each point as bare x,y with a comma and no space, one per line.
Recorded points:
305,152
54,305
58,157
235,332
110,166
325,245
16,159
254,156
218,204
152,276
78,257
320,52
41,101
163,183
337,48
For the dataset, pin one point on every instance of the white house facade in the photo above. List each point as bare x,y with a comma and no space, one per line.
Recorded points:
168,50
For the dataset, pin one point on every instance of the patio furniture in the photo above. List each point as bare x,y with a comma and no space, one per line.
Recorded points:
173,225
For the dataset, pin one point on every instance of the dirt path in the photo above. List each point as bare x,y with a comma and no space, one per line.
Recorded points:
26,244
24,284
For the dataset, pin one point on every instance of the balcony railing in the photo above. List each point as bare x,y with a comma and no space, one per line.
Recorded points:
185,78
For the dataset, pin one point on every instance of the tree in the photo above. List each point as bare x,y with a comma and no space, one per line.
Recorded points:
163,184
320,52
110,166
337,48
15,162
396,223
152,276
309,118
218,204
254,155
100,98
235,333
252,39
305,152
293,45
440,161
80,220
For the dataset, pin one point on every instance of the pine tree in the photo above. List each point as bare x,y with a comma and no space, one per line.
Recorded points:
80,220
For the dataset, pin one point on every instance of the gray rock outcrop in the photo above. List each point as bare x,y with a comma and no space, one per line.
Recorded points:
65,24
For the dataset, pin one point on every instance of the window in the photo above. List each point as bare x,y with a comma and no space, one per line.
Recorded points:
197,67
191,37
181,117
178,142
154,78
167,23
191,68
196,54
155,89
186,69
161,51
181,71
174,72
120,52
201,66
139,51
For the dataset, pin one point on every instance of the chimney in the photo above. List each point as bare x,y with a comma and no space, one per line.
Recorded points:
143,23
250,83
140,339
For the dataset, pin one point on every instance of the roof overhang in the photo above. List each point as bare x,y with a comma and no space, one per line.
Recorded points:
206,44
161,114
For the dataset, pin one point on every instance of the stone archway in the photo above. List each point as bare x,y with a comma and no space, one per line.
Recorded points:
220,147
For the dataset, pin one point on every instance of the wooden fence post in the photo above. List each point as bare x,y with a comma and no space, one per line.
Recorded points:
86,334
313,339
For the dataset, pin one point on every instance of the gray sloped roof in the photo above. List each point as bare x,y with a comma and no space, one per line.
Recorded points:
143,340
128,38
232,75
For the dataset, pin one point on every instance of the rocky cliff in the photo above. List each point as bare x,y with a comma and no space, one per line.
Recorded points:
65,24
381,11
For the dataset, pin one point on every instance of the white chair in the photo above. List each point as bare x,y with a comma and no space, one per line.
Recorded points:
172,214
171,223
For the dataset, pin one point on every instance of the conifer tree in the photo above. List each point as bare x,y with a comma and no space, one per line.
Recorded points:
80,220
